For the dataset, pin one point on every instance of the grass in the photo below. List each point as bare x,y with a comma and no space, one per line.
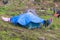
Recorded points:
9,31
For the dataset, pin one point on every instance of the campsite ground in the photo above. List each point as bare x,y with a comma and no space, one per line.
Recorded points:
10,31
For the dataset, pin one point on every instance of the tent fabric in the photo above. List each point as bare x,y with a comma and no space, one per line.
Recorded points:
25,18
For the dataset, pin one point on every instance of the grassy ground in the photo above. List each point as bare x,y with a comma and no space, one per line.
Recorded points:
10,31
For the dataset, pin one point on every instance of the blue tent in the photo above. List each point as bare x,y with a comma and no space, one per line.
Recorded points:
29,19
